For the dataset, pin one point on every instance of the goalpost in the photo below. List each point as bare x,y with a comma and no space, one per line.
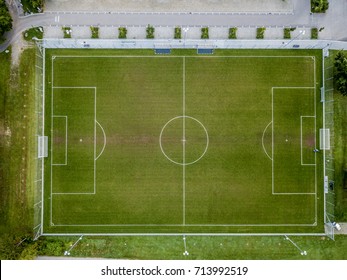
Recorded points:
42,146
324,137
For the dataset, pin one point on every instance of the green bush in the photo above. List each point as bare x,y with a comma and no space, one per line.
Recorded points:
95,32
314,33
67,32
33,6
286,33
233,33
204,33
150,32
178,33
319,6
260,32
36,32
122,33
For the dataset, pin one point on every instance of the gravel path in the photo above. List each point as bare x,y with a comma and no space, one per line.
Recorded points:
17,47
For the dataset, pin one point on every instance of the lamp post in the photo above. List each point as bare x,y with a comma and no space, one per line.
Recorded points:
67,253
303,253
185,30
301,32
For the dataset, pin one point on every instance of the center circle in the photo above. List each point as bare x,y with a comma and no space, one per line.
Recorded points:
183,140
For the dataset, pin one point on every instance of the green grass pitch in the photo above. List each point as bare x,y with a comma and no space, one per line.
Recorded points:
183,143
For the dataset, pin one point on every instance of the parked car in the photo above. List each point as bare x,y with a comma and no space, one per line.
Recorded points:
336,226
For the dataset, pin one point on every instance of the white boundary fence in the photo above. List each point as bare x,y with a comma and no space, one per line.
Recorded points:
39,111
328,154
192,44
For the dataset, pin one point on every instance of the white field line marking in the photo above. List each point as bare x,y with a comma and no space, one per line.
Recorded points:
175,56
294,193
262,140
95,121
315,130
103,132
184,139
301,144
273,147
52,129
77,87
187,225
66,136
94,171
161,146
187,234
198,224
79,193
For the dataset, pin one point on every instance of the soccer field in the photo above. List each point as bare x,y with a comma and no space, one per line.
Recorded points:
183,143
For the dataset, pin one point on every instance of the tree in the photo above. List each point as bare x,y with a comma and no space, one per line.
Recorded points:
36,3
319,6
33,6
340,73
150,32
5,18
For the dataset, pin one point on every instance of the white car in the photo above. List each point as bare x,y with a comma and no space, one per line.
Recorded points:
336,226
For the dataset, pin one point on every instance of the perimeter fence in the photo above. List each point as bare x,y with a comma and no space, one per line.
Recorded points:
327,94
39,163
328,125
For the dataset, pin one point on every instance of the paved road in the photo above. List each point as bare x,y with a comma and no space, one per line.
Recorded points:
334,21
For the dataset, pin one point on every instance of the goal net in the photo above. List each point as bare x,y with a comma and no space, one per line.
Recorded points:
324,136
42,146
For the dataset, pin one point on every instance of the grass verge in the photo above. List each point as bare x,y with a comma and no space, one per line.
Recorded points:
340,121
17,148
5,62
206,247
